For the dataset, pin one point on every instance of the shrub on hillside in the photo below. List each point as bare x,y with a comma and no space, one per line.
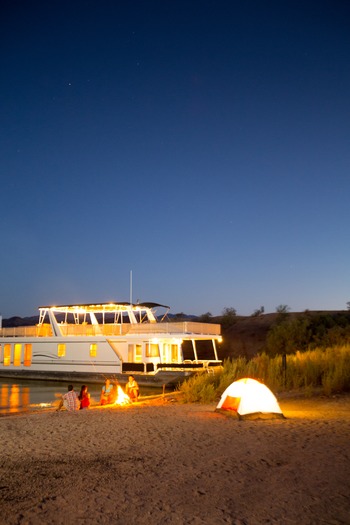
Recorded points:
328,369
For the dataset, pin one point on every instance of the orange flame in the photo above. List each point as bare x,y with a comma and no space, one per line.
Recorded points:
122,398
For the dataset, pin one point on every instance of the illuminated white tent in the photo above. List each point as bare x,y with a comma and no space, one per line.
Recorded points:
249,399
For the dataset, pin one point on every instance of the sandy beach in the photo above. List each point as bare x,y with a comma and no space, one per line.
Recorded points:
163,462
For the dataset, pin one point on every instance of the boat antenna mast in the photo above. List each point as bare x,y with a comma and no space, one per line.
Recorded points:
130,286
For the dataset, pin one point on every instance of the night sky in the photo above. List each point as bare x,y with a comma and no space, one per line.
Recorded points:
202,145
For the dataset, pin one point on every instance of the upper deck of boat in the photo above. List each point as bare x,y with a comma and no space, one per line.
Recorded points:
176,329
110,319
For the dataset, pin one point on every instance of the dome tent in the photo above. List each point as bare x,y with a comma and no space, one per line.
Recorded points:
250,400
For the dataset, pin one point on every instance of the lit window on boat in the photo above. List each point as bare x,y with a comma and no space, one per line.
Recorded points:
61,350
174,352
17,354
93,350
27,354
7,355
135,353
138,353
152,350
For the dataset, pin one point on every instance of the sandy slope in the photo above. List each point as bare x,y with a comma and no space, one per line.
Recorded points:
168,463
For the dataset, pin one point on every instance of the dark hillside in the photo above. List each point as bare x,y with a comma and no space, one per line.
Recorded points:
20,321
246,336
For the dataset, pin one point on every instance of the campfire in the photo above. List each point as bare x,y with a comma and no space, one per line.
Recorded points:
121,397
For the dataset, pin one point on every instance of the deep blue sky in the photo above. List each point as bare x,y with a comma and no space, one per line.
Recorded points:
204,145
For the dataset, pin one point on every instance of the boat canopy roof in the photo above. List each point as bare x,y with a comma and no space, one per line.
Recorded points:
102,307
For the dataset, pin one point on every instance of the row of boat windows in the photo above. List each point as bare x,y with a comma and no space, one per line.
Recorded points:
14,356
134,351
6,355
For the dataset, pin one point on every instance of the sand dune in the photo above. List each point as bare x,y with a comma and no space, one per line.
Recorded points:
168,463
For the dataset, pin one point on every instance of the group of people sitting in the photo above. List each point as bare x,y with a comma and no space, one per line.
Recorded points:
109,391
71,401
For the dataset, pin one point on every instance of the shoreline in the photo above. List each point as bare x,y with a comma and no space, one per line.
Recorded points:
176,396
95,405
161,461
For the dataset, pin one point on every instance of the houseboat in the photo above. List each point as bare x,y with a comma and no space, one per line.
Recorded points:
95,341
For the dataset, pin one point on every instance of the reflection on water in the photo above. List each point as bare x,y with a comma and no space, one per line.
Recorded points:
12,397
24,396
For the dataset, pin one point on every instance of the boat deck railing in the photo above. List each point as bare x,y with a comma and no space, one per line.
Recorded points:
26,331
113,329
188,327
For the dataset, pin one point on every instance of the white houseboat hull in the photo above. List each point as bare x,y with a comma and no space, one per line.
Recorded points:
93,350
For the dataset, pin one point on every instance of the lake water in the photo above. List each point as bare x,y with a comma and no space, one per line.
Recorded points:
24,396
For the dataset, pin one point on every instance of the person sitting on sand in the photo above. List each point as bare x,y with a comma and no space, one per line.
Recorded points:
84,397
69,400
132,389
107,393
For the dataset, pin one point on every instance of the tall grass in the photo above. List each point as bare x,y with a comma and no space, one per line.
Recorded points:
328,369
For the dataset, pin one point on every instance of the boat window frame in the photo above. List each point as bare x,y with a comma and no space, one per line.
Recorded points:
17,354
7,354
61,349
28,354
174,352
93,349
150,350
